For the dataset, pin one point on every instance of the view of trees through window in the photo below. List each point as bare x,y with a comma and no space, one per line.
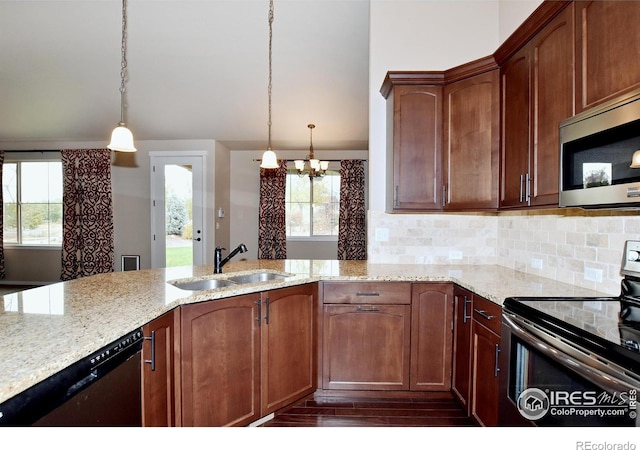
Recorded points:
32,202
312,207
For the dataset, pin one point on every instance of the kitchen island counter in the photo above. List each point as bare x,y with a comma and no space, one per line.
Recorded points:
45,329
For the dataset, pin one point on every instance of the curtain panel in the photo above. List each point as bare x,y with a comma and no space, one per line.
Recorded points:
272,227
352,232
87,233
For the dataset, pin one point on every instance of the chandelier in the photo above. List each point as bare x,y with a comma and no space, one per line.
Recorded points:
316,167
121,137
269,159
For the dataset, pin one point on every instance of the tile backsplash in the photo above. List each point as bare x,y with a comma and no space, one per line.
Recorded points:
580,247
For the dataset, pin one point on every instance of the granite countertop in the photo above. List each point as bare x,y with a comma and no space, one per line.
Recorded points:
45,329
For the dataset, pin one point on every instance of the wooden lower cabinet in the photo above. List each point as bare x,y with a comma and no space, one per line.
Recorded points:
431,336
221,362
158,370
288,343
366,347
461,377
485,355
244,357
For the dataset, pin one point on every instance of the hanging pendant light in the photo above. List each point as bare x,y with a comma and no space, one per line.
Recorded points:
317,168
121,137
269,158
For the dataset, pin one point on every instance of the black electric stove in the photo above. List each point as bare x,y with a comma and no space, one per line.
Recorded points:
606,326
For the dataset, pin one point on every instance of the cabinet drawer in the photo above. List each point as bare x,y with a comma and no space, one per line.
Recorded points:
487,313
369,292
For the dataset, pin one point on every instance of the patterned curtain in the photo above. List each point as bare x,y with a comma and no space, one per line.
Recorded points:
2,271
352,234
272,231
87,241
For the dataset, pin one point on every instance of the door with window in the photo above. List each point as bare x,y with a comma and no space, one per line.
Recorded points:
177,203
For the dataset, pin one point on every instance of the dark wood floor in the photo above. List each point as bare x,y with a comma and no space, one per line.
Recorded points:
438,410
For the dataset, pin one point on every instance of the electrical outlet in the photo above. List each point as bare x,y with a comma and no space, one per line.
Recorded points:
455,254
382,234
536,263
591,274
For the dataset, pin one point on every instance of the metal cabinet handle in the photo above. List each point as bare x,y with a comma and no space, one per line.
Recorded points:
465,314
367,309
497,358
395,196
266,316
367,294
483,314
527,188
152,361
521,195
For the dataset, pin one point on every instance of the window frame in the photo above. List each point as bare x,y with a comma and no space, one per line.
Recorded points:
313,238
27,157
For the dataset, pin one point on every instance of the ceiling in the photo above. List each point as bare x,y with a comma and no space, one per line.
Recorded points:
197,69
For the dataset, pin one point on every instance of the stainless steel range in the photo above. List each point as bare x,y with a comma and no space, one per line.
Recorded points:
573,361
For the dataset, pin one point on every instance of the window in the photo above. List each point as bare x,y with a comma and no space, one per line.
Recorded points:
313,208
32,202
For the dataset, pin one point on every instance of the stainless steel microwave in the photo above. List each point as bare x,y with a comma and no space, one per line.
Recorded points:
596,151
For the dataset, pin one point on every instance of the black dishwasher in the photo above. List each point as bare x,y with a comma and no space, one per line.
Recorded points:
102,389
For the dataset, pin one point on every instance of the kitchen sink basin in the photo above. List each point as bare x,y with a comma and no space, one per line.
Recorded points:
203,285
256,277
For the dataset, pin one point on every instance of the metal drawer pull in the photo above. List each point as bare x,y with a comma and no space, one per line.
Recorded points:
367,309
483,314
496,370
367,294
152,361
466,316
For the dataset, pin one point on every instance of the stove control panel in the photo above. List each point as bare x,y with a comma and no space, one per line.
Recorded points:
631,259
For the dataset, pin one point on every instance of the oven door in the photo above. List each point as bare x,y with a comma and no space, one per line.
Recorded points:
546,381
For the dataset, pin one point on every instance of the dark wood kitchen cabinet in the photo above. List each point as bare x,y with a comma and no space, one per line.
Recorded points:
414,142
471,141
159,387
221,362
431,336
461,377
485,348
537,94
246,356
366,336
607,45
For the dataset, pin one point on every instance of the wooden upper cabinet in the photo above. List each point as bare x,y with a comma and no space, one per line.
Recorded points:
414,141
607,49
515,117
471,142
537,94
553,94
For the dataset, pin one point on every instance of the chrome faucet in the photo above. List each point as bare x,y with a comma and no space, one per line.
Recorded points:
221,262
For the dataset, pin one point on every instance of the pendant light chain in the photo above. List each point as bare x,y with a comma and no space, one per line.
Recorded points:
123,64
270,63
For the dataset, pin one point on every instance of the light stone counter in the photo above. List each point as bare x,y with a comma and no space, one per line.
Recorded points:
46,329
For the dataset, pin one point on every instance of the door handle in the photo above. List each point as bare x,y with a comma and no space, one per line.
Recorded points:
152,361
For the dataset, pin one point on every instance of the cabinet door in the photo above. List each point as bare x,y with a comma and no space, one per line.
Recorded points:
607,49
289,352
553,99
431,336
461,382
516,75
417,148
486,350
472,142
221,362
158,380
366,347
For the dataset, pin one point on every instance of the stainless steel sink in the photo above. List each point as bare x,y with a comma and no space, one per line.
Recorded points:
257,277
203,285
